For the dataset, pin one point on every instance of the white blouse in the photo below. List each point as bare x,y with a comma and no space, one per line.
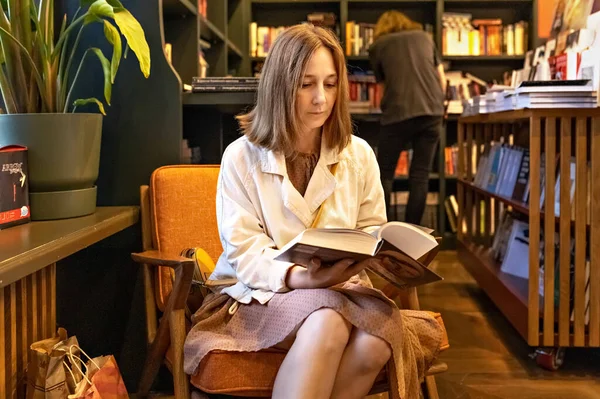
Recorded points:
259,210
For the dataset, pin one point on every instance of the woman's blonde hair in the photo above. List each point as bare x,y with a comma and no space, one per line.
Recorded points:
394,21
273,122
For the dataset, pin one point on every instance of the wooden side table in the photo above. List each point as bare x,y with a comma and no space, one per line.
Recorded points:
28,256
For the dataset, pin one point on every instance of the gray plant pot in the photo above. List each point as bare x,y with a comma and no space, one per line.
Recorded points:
63,160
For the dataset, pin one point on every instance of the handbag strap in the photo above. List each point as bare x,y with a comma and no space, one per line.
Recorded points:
320,211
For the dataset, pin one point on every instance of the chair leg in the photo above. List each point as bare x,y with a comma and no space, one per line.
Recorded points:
180,379
155,358
430,388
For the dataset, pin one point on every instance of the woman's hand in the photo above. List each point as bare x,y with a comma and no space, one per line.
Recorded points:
317,275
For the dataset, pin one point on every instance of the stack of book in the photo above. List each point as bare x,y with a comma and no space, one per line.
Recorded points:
555,94
578,93
224,84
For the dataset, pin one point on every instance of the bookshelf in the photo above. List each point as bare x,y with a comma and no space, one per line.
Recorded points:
226,28
559,141
428,12
194,34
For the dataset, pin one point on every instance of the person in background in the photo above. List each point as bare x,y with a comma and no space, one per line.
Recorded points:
409,72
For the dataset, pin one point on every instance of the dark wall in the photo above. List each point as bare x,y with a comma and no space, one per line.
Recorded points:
99,289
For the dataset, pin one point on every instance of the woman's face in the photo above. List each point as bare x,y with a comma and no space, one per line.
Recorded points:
318,91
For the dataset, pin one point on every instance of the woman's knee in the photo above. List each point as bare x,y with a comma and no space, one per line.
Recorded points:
373,351
327,328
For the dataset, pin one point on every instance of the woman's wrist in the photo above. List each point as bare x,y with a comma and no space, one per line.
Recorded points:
296,277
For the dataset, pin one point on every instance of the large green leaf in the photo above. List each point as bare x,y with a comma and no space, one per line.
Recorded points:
98,10
136,39
92,100
113,36
21,50
106,69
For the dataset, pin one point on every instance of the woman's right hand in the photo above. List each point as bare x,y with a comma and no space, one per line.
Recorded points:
317,275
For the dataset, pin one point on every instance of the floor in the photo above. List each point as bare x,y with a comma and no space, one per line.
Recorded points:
487,357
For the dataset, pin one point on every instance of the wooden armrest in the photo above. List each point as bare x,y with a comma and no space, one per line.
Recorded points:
157,258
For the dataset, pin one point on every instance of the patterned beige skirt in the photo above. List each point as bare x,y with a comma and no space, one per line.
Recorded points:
414,336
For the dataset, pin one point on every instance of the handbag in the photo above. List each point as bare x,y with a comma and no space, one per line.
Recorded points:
47,368
101,380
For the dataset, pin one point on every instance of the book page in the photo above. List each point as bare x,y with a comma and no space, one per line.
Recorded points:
410,239
402,271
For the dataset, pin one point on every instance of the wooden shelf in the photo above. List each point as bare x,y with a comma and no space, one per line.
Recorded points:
487,3
432,176
172,8
525,114
539,319
518,206
483,58
27,248
233,49
386,2
288,1
509,293
209,32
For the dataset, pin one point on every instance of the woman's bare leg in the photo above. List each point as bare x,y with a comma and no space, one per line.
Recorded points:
363,359
310,367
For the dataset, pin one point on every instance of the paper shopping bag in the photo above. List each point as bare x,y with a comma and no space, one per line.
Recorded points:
102,380
46,372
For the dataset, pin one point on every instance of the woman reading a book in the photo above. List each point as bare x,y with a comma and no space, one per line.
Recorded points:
296,166
410,74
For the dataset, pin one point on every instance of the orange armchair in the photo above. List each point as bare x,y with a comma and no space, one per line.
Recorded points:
178,212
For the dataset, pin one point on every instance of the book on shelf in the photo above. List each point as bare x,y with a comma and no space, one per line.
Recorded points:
464,36
408,245
504,171
450,161
510,247
359,37
262,37
202,7
451,206
460,88
365,94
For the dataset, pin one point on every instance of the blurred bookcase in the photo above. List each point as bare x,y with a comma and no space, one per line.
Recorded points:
222,35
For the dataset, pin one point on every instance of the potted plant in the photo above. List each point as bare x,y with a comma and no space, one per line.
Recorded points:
38,72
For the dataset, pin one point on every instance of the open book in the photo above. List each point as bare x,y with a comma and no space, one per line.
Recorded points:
408,244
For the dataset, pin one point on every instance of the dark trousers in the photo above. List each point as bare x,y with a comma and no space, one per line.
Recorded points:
423,133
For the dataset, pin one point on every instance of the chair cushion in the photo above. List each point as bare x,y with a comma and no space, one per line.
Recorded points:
183,215
252,374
